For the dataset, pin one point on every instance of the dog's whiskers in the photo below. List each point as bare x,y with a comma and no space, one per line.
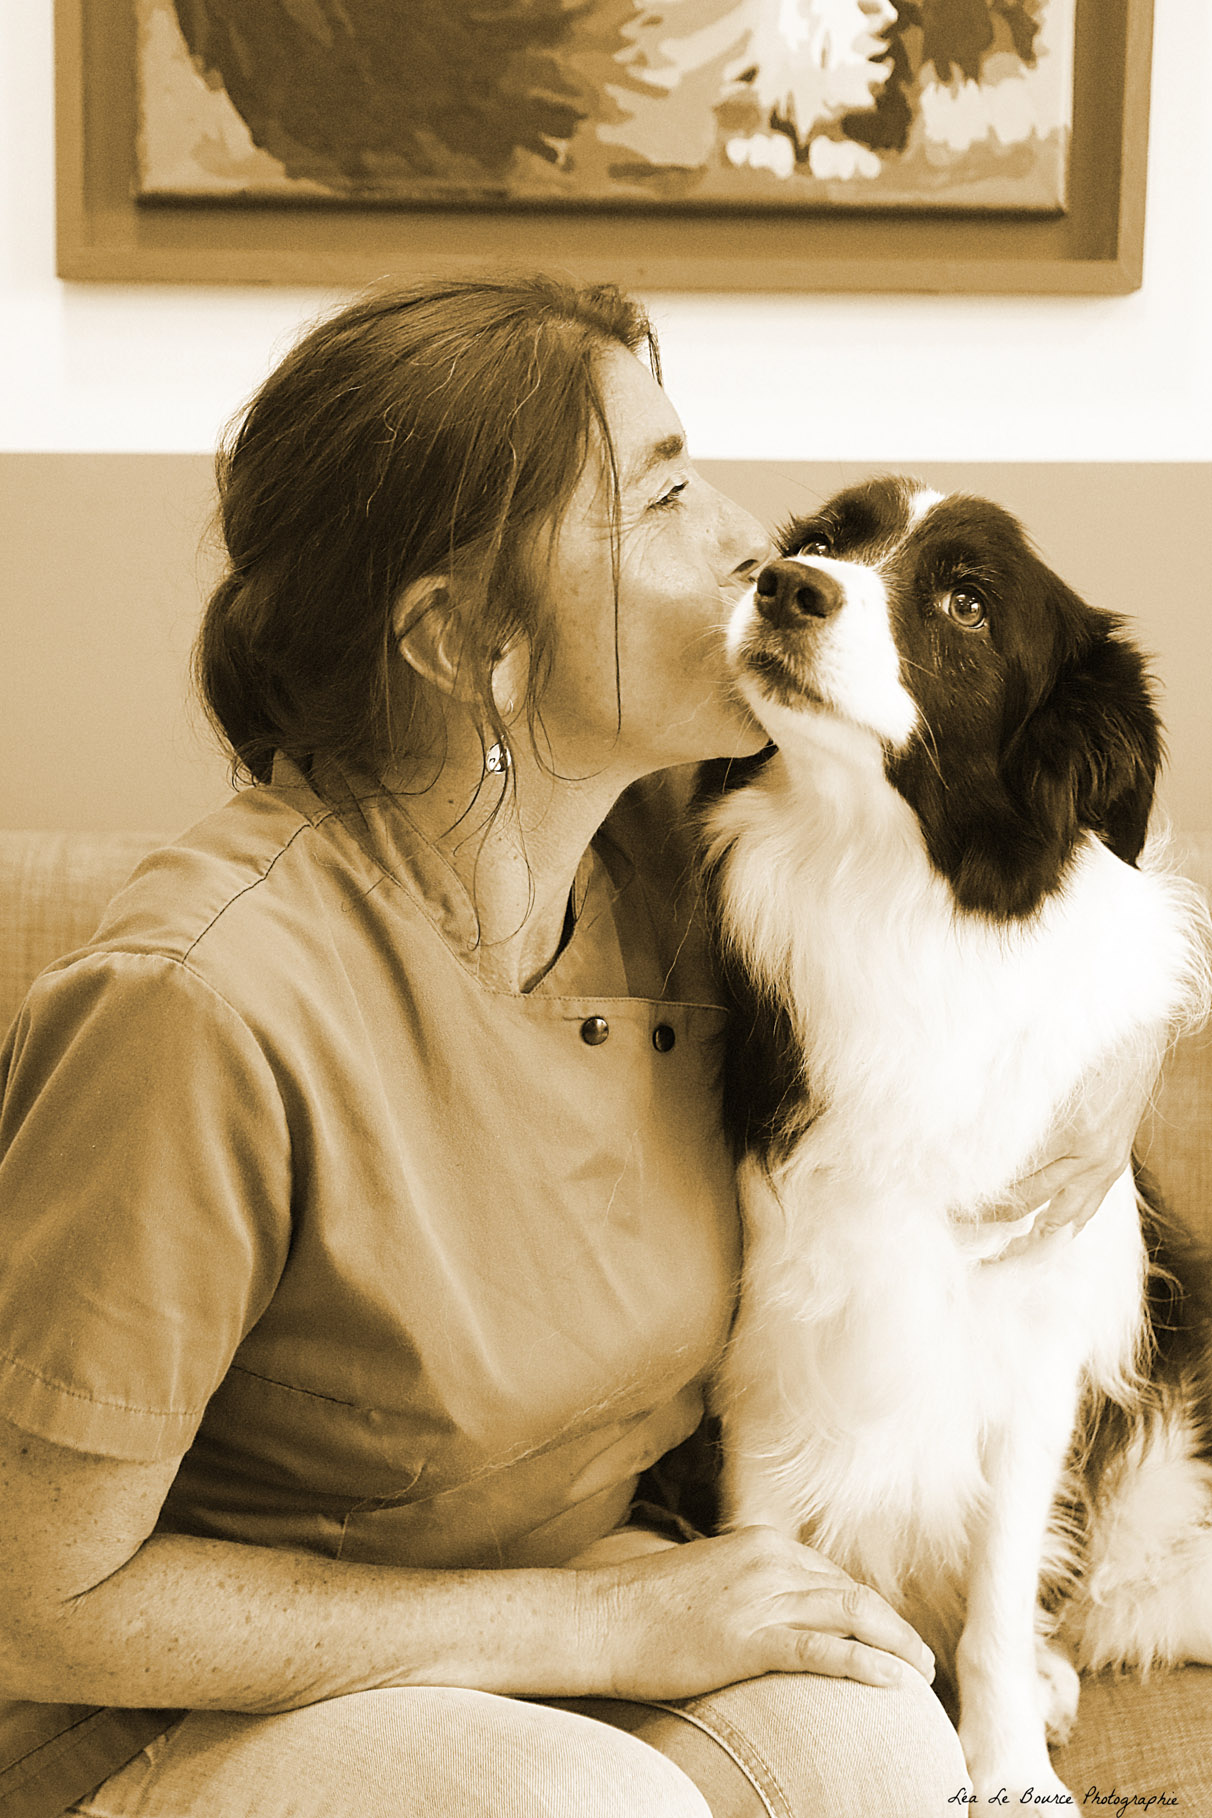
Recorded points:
930,742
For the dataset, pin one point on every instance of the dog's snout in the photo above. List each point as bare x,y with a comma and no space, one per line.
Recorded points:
788,592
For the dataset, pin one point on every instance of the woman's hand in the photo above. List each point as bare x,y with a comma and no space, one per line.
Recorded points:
1087,1151
691,1618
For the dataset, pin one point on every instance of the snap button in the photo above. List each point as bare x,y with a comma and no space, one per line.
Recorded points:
594,1030
663,1038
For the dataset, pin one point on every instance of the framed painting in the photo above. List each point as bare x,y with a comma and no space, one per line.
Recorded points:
757,104
977,145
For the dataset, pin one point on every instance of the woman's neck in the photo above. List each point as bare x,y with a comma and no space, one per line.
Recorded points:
515,840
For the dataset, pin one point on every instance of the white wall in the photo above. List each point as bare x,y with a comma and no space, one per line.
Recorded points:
100,367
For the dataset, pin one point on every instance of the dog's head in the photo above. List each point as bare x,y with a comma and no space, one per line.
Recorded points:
1010,715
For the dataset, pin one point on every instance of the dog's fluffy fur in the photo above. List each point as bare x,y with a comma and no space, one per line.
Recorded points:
940,931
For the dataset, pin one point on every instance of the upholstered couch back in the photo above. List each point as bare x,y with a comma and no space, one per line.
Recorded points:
54,886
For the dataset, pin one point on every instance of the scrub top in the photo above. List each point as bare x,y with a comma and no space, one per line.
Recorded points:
403,1268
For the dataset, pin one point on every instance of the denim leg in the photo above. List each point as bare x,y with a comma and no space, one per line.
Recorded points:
408,1752
799,1745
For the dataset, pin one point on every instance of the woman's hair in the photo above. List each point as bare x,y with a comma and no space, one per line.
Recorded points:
432,429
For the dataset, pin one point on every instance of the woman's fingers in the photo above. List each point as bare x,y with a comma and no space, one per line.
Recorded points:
1086,1152
859,1618
747,1602
821,1567
814,1651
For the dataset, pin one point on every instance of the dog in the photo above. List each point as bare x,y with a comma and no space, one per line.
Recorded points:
941,926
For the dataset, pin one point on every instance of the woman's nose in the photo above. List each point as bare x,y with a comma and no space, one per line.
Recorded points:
743,538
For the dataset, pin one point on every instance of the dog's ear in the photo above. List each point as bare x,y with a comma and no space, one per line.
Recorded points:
1089,753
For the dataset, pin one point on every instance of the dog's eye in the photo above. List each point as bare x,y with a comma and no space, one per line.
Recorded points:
816,545
965,607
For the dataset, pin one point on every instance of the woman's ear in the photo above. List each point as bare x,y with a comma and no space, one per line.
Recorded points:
427,625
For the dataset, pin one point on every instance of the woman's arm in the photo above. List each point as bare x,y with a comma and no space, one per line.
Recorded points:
100,1609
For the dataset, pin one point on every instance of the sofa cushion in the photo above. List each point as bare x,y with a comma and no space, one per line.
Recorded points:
53,892
1176,1137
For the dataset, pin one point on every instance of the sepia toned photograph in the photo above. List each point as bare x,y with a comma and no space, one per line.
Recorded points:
605,909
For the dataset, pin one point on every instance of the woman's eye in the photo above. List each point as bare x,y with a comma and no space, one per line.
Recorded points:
671,497
965,608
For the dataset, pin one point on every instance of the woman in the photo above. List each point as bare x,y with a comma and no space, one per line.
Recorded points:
367,1221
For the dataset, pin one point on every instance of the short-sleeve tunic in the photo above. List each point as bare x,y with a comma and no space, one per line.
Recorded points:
403,1268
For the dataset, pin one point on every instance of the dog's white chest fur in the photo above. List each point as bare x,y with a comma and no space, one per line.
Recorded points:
957,1036
875,1353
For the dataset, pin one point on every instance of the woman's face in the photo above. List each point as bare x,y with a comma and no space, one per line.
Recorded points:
687,554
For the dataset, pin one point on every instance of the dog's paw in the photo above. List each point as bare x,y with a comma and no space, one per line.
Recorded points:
1060,1689
1009,1766
1042,1791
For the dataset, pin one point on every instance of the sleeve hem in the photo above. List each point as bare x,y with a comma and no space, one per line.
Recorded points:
66,1417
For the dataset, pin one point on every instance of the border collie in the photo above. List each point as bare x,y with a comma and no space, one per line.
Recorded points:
940,932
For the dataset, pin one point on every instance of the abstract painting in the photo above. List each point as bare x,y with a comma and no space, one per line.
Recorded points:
956,105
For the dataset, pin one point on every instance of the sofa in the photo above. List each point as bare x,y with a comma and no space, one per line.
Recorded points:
1134,1740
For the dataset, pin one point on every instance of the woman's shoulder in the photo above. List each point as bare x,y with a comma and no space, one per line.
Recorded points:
250,870
225,918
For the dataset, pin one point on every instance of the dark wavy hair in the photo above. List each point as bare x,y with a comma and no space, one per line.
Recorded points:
423,430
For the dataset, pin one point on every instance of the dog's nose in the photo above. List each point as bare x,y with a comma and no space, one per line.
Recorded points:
788,593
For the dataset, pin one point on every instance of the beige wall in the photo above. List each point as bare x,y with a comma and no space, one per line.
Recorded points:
101,577
100,583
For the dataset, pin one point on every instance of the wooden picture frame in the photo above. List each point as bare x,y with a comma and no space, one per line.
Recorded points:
1095,247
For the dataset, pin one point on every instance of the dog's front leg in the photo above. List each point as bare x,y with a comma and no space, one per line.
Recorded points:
1001,1716
759,1427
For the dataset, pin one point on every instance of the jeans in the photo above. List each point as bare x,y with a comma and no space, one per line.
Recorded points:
785,1746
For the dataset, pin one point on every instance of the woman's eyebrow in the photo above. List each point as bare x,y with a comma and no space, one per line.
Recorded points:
667,449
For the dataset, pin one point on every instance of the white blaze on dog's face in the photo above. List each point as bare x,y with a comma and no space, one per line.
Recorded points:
818,631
